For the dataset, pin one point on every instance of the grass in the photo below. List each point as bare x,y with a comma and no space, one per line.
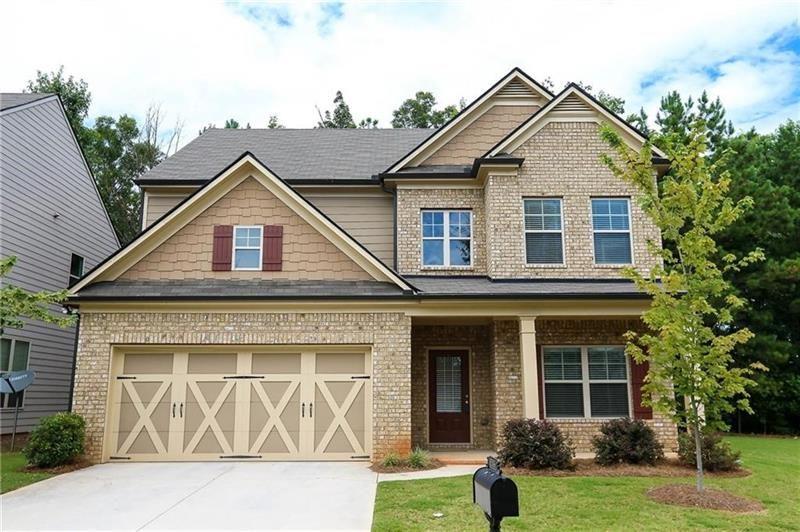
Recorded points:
603,503
12,475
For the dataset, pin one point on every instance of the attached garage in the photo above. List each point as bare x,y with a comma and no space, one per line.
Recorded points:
169,403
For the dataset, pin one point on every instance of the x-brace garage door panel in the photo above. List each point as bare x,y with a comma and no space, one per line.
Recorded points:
271,405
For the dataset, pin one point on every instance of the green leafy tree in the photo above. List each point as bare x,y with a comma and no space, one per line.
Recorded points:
274,123
767,169
17,303
613,103
690,338
639,121
419,112
341,118
231,123
74,95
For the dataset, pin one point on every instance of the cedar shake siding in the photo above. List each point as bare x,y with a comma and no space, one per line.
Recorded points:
187,254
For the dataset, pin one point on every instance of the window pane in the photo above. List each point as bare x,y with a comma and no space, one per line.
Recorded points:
612,248
459,253
609,400
552,223
433,252
551,206
19,361
601,223
76,266
618,206
5,353
619,223
533,206
534,223
448,384
563,400
246,258
600,206
562,363
543,248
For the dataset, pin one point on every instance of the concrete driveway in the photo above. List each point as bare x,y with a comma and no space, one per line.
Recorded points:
197,496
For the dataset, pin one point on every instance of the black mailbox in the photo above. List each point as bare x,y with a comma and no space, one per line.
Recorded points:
494,493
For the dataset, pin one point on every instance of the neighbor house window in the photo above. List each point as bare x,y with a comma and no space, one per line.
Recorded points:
612,230
13,357
75,269
544,242
247,247
446,238
585,381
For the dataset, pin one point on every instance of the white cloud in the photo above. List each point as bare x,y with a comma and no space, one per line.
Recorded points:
206,61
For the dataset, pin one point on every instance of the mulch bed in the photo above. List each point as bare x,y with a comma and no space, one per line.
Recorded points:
58,470
711,499
588,468
378,468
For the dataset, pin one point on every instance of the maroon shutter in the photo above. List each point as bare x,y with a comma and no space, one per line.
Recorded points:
223,248
541,380
638,373
272,257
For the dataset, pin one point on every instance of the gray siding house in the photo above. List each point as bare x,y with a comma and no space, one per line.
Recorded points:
53,220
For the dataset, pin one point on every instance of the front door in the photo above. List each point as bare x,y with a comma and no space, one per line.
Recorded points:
448,374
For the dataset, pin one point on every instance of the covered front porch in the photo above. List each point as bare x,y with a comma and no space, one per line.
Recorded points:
471,374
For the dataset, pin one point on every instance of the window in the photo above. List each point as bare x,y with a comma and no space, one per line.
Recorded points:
75,269
612,231
247,247
585,382
13,357
447,238
544,242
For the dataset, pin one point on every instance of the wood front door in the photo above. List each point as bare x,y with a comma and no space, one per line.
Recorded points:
448,400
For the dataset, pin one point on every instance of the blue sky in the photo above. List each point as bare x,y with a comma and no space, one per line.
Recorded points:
204,61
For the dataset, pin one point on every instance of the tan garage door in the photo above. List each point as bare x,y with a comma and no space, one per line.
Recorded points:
259,403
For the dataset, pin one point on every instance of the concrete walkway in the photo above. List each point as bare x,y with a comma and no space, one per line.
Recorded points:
197,496
446,471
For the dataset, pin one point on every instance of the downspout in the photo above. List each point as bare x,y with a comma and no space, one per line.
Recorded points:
394,222
74,363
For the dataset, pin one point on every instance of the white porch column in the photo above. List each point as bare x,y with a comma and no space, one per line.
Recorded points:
530,370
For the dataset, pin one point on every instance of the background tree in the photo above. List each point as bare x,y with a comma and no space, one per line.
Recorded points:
274,123
16,303
613,103
690,339
231,123
419,112
676,116
74,95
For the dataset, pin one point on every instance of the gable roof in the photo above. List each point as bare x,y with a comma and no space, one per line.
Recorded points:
510,85
206,195
10,100
573,101
349,155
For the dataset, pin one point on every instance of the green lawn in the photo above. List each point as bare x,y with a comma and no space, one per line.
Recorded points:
11,474
604,503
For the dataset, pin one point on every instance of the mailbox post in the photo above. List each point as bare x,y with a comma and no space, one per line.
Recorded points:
495,494
13,383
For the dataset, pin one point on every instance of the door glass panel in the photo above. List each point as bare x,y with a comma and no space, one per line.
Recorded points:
448,384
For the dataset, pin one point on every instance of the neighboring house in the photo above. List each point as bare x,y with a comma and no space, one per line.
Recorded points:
340,294
53,220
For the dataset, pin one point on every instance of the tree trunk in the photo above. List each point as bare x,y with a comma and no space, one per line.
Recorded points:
698,454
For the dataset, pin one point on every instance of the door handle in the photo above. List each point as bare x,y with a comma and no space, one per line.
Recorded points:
181,409
173,409
310,409
302,410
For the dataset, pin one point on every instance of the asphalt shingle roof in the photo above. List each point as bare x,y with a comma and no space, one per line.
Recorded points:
293,154
14,99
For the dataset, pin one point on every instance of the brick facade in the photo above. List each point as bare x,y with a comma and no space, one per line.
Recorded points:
389,335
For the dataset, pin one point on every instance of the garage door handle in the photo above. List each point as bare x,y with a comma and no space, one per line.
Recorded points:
310,409
173,409
181,410
302,410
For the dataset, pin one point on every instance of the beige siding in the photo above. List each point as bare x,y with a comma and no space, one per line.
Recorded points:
157,205
368,218
481,135
306,253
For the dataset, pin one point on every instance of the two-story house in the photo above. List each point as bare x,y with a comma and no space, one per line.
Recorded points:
339,294
53,220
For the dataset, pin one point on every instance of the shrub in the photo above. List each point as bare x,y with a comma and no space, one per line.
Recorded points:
535,444
392,459
627,440
419,459
717,453
57,440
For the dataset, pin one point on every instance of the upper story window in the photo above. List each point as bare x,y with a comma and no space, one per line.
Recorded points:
544,236
247,240
447,238
585,381
612,230
13,357
75,269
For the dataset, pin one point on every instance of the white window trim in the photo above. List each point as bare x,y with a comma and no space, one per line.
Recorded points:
629,231
11,364
586,381
525,231
260,248
446,241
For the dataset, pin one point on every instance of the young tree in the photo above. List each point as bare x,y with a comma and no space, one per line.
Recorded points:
274,123
16,303
419,112
341,118
690,338
231,123
74,95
